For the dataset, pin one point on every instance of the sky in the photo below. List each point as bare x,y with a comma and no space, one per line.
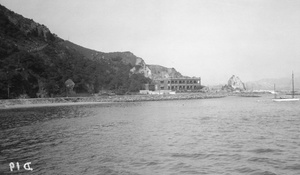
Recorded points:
211,39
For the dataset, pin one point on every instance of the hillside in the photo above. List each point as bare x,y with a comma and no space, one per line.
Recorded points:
125,57
36,63
19,33
139,65
163,72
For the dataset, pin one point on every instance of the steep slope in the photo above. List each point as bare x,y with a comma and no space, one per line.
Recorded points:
25,33
163,72
138,64
88,53
36,63
125,57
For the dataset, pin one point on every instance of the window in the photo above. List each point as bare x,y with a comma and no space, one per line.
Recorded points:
162,82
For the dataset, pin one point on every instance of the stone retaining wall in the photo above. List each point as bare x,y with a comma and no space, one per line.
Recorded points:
117,98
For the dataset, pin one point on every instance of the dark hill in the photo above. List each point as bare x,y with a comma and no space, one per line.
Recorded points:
35,62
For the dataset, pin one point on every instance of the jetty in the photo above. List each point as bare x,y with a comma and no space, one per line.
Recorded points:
42,102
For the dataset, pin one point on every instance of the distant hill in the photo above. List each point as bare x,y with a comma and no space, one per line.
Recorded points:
268,84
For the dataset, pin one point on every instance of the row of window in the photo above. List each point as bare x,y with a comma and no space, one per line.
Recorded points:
179,87
182,82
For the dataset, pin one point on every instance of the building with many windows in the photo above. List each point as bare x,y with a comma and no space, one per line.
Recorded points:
176,84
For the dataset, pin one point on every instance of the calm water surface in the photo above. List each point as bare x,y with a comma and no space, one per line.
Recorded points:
232,135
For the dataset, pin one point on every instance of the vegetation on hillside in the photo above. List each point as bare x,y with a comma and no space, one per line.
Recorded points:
37,64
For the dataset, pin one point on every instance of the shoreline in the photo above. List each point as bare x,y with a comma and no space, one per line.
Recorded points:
67,101
48,105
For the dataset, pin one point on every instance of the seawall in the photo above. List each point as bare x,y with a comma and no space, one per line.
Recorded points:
116,98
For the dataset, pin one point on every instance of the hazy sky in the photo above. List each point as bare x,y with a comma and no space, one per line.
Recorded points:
213,39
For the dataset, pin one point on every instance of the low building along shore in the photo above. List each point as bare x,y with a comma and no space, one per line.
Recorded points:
167,85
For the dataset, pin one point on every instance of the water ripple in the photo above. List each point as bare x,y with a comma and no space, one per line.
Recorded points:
216,136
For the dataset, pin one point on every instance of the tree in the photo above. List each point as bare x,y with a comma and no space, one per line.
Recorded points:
69,86
137,82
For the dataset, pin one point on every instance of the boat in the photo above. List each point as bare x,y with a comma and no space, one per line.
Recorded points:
286,99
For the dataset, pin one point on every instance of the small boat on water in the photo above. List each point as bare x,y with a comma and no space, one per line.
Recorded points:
286,99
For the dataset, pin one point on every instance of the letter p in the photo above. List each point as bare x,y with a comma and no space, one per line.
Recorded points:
11,166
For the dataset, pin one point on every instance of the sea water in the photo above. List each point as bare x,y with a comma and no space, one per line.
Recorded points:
231,135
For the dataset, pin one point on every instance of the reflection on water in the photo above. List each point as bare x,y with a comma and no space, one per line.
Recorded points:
231,135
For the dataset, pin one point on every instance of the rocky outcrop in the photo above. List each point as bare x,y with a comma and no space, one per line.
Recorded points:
234,84
163,72
141,67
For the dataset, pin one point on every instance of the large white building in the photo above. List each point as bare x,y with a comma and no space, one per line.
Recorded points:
176,84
